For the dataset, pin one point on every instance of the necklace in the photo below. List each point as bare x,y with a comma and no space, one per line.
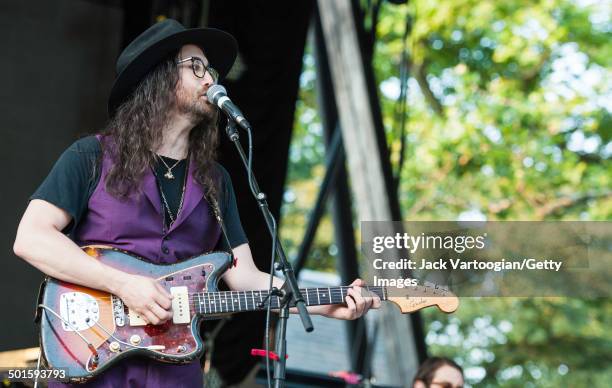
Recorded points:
168,174
172,217
167,206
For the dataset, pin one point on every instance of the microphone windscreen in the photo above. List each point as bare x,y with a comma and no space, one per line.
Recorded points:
215,92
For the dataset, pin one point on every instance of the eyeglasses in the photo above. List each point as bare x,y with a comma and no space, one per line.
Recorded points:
200,69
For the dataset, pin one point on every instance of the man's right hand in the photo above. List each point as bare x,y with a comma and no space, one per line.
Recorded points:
146,297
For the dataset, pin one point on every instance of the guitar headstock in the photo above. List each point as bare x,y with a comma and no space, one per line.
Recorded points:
415,298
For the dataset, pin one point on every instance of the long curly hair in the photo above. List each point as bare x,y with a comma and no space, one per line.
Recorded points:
136,130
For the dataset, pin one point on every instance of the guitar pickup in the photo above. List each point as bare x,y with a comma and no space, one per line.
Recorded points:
180,305
135,319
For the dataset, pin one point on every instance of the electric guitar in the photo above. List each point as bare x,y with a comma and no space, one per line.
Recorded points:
85,331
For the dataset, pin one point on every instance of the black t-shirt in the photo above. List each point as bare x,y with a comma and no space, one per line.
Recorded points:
171,177
76,174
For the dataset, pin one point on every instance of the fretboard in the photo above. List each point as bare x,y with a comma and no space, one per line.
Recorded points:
236,301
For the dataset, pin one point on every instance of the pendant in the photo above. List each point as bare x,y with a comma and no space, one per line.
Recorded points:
169,175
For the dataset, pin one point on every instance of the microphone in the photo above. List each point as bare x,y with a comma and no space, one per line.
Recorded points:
218,95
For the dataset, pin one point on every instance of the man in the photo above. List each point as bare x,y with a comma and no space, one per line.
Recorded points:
149,184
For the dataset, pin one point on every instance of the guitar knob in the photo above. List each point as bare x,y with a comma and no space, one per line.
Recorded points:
114,346
135,339
181,349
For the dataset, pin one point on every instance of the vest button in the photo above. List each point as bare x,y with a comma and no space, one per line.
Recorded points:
165,250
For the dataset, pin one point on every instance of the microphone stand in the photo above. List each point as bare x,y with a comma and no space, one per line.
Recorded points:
290,291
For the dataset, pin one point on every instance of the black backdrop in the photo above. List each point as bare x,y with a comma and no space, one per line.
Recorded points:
271,36
57,65
57,68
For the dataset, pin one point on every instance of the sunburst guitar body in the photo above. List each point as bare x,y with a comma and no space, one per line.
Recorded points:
85,331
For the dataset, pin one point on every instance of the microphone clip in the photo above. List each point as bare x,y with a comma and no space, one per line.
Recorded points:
232,130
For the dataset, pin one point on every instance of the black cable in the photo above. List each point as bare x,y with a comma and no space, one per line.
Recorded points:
268,310
250,166
256,194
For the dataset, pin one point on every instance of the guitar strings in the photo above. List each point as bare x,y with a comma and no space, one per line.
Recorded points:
334,290
200,300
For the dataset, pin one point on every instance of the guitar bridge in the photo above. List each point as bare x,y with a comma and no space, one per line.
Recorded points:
118,311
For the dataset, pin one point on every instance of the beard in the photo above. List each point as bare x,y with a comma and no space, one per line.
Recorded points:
196,106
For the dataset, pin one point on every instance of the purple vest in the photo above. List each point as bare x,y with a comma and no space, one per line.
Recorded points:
135,225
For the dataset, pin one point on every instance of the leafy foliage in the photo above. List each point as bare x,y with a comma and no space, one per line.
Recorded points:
508,118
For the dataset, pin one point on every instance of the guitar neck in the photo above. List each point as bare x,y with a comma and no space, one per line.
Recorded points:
238,301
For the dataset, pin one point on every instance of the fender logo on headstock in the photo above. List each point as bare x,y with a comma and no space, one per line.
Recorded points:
414,302
419,297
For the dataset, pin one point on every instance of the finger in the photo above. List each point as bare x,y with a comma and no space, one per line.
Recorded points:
358,282
360,307
352,308
367,304
162,300
376,302
143,317
151,318
163,291
358,293
160,313
359,301
370,302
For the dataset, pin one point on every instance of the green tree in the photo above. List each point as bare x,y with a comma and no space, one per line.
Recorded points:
508,117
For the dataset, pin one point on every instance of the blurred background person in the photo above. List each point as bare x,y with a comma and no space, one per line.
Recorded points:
438,372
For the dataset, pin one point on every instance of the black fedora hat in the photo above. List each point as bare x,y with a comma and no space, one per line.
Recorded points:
160,40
